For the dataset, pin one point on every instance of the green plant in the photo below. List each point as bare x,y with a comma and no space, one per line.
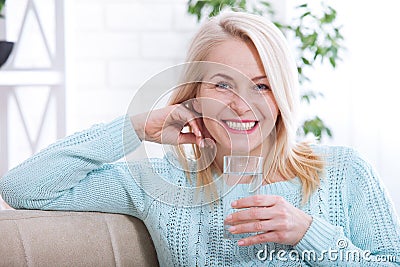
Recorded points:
315,35
2,3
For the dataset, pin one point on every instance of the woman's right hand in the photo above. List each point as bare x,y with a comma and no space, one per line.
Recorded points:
165,125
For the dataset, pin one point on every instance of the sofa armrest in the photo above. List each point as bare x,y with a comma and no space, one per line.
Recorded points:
55,238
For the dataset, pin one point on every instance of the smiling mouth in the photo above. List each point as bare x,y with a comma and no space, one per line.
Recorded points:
240,125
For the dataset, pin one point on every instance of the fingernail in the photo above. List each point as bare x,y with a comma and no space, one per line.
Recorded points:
201,143
232,229
234,203
229,217
240,243
199,133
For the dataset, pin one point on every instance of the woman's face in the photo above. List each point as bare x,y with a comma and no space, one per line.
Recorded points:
238,107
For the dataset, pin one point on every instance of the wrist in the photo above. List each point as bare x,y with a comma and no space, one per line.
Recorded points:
138,122
306,224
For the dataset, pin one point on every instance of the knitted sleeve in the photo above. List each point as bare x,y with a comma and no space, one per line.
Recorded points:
78,173
374,238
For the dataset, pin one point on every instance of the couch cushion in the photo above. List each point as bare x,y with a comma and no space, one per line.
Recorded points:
54,238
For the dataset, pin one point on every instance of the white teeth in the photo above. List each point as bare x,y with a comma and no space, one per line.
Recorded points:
241,126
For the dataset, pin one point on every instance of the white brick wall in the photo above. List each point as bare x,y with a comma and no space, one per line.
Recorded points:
114,47
138,16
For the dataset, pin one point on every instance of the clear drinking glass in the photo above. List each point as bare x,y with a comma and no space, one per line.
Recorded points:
242,177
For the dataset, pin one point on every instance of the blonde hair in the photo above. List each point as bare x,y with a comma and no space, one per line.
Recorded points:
290,158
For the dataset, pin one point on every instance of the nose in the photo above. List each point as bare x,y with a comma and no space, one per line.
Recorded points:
238,104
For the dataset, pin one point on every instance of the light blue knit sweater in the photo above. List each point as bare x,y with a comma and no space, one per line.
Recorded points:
352,214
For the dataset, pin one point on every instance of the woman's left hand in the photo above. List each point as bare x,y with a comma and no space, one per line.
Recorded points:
272,217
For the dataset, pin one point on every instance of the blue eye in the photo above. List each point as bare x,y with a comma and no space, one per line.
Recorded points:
261,87
223,85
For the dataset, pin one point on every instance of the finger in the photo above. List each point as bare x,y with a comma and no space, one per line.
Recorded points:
251,214
204,138
181,117
194,124
237,222
257,201
253,227
178,114
190,118
195,127
272,236
203,128
187,138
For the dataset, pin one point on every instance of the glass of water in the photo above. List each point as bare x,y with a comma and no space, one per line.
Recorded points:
242,177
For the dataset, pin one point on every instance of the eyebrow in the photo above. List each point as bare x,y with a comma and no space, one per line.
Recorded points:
260,77
223,76
230,78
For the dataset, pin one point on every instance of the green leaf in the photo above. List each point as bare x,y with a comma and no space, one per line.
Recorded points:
242,4
317,127
328,132
305,61
299,70
309,40
196,9
280,26
298,32
329,17
306,98
2,4
332,61
305,14
310,95
267,4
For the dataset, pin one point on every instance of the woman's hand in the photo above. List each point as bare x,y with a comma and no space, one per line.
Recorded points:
272,217
165,125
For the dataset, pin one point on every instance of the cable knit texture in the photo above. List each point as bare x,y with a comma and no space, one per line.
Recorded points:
351,210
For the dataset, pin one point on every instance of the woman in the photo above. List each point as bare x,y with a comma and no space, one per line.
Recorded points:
320,206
